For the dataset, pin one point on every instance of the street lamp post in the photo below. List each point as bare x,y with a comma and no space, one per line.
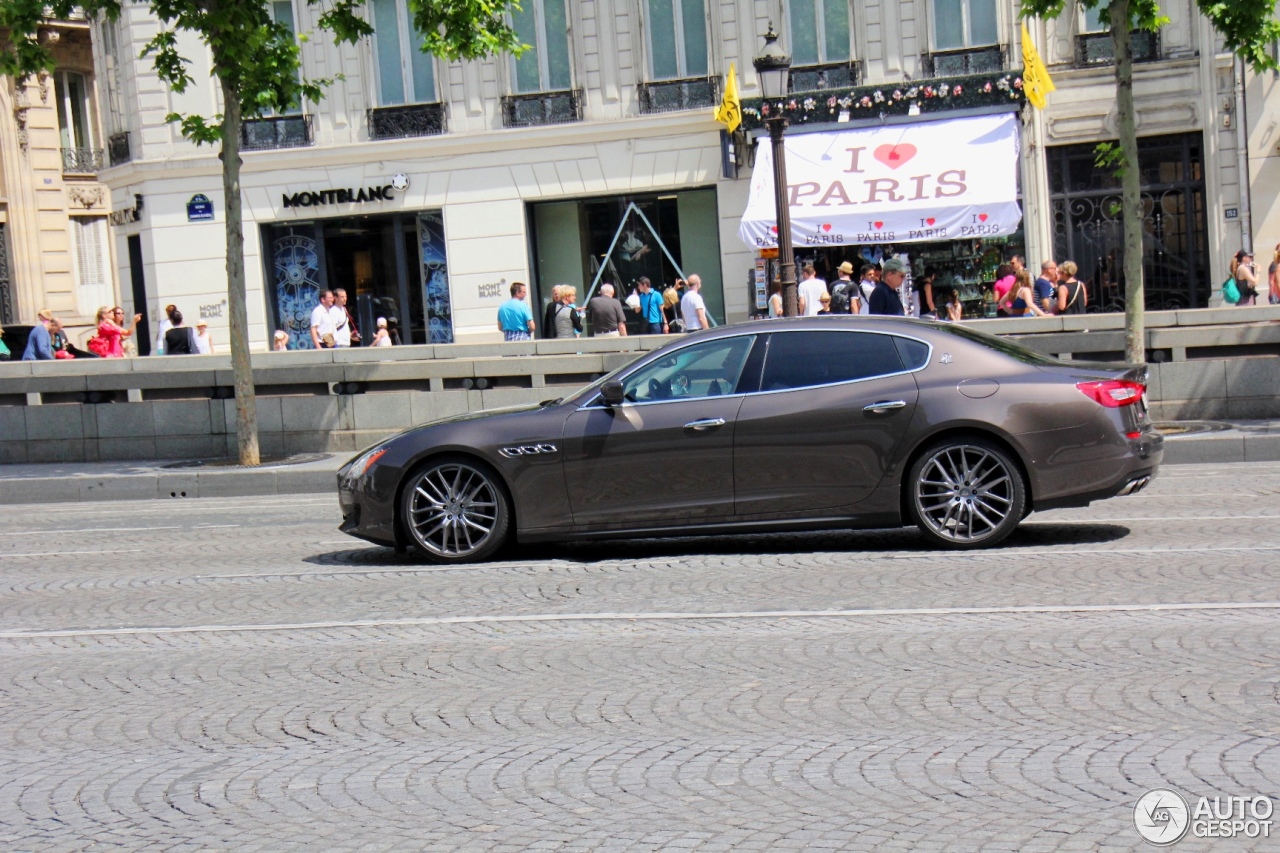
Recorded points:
772,68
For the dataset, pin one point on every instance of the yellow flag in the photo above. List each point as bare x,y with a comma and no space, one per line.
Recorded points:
729,113
1035,77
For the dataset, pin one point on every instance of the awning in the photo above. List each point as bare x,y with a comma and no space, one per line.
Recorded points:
906,183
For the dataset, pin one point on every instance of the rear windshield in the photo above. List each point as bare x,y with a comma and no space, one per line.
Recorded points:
1002,345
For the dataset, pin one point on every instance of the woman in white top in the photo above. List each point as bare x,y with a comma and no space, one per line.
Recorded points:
204,343
775,299
381,338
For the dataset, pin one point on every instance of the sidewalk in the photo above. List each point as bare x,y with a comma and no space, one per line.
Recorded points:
1185,442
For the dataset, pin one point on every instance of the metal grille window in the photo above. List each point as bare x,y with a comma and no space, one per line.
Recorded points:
677,38
542,108
1097,48
290,131
118,148
405,74
842,75
544,26
404,122
671,95
964,23
954,63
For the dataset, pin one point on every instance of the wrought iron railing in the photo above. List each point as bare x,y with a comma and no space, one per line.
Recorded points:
816,78
668,96
406,121
262,134
1098,49
81,161
542,108
118,148
971,60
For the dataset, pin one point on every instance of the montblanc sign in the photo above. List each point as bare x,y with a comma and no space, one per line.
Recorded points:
319,198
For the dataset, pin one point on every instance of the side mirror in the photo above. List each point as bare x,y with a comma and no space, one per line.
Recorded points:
612,392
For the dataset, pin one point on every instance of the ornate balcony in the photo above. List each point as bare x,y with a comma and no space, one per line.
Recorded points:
667,96
118,148
263,134
81,161
542,108
406,121
1097,49
816,78
972,60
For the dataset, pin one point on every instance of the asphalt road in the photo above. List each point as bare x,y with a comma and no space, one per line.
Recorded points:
234,674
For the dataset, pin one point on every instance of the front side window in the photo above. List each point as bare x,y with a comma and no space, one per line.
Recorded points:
702,370
810,359
819,31
959,24
678,38
406,75
544,26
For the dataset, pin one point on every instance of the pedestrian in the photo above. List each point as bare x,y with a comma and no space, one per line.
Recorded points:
775,299
393,331
1024,298
322,326
923,287
1046,287
653,320
845,295
381,338
5,354
867,278
126,333
693,309
671,305
1006,279
811,287
515,320
181,340
1072,295
604,313
348,335
1273,278
341,325
1245,272
955,308
204,343
549,313
280,341
824,305
563,321
39,344
884,299
58,340
166,323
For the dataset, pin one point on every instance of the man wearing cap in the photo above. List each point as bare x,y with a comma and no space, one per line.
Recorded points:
844,293
884,299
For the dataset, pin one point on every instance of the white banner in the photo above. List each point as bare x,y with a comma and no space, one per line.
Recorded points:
905,183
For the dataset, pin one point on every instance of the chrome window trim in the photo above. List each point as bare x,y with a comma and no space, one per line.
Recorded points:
928,360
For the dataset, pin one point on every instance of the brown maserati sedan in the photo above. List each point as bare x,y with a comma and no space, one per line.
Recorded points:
798,424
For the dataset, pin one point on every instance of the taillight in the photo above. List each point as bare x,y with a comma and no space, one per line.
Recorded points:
1112,393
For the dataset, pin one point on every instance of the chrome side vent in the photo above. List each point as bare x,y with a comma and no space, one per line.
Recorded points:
527,450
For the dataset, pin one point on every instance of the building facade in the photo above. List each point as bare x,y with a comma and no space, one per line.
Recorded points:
55,242
424,188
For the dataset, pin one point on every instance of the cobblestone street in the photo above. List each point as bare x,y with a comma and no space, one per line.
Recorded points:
234,674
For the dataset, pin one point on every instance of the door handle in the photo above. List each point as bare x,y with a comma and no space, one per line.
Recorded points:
884,406
705,424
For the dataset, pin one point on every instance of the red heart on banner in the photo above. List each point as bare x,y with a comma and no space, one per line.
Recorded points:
826,226
931,220
878,225
894,156
982,217
773,228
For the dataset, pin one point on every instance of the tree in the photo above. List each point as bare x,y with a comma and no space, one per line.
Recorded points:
1249,28
256,62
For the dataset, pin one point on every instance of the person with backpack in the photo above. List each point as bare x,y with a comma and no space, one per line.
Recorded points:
1244,273
845,295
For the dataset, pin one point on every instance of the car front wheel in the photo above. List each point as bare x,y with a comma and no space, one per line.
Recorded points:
455,511
966,493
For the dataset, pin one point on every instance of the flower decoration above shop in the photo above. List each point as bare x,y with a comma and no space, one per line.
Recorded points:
837,105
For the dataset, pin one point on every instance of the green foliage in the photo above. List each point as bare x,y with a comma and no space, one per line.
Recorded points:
1108,156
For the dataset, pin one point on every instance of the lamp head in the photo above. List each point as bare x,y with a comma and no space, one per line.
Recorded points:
772,66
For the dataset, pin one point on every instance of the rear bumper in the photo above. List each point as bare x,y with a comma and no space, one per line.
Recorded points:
1126,474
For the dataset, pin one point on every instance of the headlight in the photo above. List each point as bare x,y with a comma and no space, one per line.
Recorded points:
364,463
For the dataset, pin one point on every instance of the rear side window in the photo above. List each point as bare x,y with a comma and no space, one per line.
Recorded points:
914,354
807,359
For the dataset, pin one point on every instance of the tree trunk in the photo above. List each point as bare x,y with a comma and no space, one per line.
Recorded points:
1130,187
241,369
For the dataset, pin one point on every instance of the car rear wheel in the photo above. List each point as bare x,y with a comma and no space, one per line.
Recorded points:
456,511
966,493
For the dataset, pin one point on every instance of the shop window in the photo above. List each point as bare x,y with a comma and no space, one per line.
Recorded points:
93,279
405,74
959,24
544,26
677,38
75,124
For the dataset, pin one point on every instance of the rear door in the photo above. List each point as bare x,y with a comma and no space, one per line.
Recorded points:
830,417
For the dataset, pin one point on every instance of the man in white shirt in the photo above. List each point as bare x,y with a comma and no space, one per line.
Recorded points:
869,274
322,325
692,308
811,290
341,328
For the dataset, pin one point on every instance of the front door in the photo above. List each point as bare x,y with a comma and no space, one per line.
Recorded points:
665,456
833,409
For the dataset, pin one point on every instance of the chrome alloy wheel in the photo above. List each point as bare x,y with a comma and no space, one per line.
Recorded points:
967,494
453,510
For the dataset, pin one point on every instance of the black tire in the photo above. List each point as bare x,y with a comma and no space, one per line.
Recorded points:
455,510
966,492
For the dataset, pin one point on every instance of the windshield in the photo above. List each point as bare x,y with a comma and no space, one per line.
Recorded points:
1002,345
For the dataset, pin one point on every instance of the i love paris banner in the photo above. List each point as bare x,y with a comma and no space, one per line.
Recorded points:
954,179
